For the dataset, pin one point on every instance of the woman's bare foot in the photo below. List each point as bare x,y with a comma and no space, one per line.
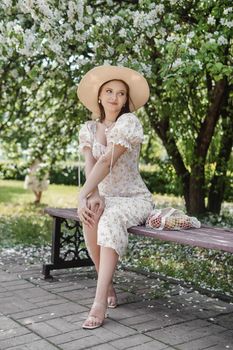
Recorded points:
112,298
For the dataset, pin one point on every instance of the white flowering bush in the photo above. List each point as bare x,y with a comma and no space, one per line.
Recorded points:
184,49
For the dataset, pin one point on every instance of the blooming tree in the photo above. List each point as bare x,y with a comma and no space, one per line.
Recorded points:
184,48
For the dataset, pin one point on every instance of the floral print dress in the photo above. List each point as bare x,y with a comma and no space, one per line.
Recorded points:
128,202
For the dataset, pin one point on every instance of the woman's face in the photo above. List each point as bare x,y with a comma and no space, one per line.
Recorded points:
113,96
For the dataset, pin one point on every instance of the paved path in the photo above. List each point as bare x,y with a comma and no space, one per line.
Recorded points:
47,315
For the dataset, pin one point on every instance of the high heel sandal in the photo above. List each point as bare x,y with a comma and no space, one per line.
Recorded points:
93,321
112,301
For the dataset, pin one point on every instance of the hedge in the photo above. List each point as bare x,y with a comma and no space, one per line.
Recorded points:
160,178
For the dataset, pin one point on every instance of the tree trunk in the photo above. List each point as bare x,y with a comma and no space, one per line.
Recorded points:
218,182
162,130
196,189
202,143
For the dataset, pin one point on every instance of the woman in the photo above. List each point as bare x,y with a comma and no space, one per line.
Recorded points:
36,180
114,197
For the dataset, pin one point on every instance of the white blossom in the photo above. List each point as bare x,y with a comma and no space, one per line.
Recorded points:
2,40
25,5
190,35
104,20
14,73
25,89
55,47
192,51
110,50
71,11
199,63
209,35
122,33
122,60
29,40
177,27
173,2
68,34
7,3
211,20
161,41
115,20
184,45
45,25
79,26
222,40
227,10
146,69
89,10
162,31
159,9
107,62
172,37
18,29
136,48
44,8
177,63
212,41
229,24
80,8
144,20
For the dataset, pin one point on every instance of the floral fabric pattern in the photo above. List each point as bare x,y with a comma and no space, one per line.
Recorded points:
128,202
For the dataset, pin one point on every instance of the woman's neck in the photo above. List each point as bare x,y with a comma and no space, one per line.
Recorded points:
110,117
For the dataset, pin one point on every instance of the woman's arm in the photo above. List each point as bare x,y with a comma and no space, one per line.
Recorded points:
95,202
101,169
89,160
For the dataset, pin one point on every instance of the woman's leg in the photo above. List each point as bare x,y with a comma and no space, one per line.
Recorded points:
107,265
39,194
90,236
36,195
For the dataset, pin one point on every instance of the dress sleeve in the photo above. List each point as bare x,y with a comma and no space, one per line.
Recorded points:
85,137
127,131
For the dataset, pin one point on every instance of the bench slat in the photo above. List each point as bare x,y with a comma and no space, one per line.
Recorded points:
206,237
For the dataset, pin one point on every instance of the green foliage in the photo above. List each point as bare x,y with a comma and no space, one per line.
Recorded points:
25,230
160,178
202,268
60,173
66,174
184,48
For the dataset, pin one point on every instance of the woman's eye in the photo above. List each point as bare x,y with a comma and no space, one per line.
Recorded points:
108,91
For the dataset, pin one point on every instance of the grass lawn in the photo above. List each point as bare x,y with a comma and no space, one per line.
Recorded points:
24,225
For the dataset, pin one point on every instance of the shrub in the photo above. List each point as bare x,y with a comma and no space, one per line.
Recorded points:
159,178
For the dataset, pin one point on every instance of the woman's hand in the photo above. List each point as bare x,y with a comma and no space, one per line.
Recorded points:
86,215
96,203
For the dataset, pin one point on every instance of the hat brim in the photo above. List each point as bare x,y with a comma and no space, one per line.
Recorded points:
91,82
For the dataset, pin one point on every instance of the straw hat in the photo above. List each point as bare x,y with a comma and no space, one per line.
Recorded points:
89,85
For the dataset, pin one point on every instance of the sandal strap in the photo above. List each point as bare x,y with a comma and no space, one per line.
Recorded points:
98,304
93,318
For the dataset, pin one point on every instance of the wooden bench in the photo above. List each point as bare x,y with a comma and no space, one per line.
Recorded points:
68,246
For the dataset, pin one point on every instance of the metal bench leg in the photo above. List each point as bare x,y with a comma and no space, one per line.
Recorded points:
68,248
